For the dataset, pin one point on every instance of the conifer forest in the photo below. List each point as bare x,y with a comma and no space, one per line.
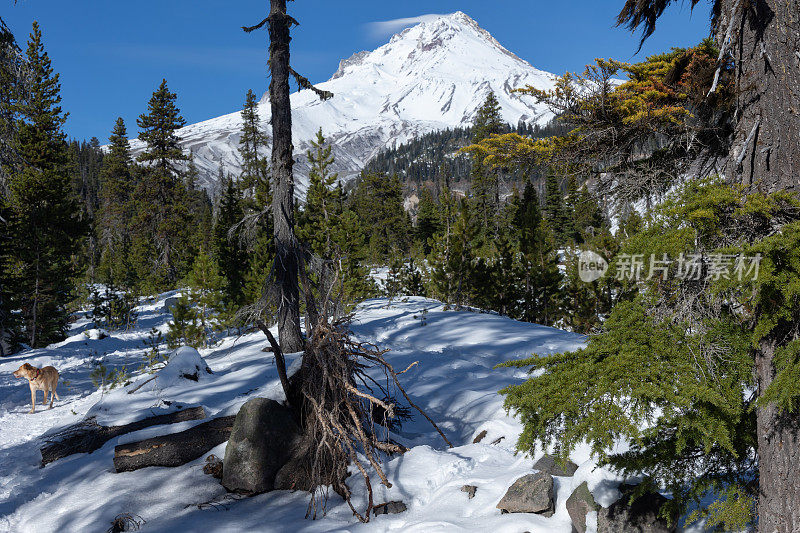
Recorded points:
443,290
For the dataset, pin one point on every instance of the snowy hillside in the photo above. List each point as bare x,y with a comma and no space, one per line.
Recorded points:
429,77
455,383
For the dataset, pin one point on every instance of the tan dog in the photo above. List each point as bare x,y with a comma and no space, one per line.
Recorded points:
43,379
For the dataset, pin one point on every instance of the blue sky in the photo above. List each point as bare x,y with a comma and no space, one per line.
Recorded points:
113,54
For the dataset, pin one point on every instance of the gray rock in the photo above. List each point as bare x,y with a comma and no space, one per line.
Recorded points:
579,503
640,517
470,490
169,303
389,508
532,493
553,466
296,474
263,436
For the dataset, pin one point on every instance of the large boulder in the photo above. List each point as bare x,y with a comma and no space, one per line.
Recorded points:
263,436
579,504
532,493
554,466
639,517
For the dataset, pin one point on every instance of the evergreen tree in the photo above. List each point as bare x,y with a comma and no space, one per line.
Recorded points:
317,221
158,126
162,232
255,167
378,203
44,215
113,224
201,310
453,273
255,183
540,291
555,212
674,370
229,253
485,181
11,75
428,220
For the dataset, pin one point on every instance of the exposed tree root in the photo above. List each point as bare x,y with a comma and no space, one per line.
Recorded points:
341,423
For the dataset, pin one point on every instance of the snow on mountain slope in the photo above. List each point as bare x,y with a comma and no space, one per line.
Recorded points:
429,77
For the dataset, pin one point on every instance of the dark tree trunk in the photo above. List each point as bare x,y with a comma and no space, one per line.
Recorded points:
766,148
287,253
765,155
778,457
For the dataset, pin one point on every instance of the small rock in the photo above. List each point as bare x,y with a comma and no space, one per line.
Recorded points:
532,493
640,517
579,504
470,490
263,436
213,466
389,508
552,465
479,437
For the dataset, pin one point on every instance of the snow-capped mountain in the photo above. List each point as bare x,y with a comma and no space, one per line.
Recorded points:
429,77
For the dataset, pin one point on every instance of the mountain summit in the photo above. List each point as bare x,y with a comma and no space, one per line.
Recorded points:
431,76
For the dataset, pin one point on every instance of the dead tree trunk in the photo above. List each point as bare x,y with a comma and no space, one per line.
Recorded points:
175,449
287,250
88,436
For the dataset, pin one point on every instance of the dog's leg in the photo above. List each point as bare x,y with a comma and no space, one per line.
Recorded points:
33,400
54,391
51,398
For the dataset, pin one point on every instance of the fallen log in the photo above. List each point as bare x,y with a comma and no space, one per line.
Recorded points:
175,449
88,436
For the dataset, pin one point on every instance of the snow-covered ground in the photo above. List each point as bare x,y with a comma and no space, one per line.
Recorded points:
455,382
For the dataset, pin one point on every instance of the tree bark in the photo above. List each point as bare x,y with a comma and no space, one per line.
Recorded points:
765,156
766,147
86,437
287,252
778,456
175,449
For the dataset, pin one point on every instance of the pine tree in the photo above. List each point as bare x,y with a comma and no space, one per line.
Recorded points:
317,221
255,167
115,210
674,369
540,291
378,203
485,181
158,126
229,253
453,272
162,234
554,209
44,214
11,74
428,220
202,310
